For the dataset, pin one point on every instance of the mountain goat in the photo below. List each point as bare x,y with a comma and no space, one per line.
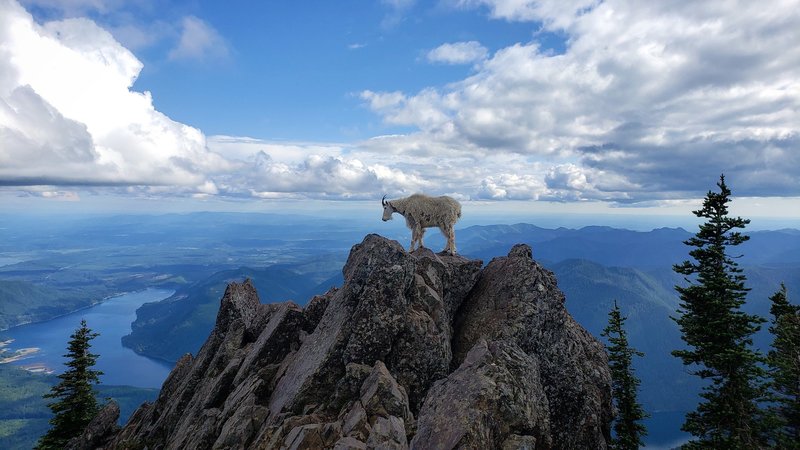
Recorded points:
423,212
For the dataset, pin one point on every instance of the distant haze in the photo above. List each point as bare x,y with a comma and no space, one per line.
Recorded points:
764,215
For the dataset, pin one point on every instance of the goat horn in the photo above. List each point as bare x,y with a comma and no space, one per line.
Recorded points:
383,201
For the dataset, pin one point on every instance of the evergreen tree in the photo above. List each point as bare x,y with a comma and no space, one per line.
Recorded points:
784,370
628,428
76,405
719,334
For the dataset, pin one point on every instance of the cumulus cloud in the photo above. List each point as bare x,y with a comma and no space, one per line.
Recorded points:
648,99
648,102
69,117
68,114
199,41
314,170
458,53
554,13
316,176
511,186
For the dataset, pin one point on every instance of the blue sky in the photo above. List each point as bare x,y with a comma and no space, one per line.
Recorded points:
582,105
294,70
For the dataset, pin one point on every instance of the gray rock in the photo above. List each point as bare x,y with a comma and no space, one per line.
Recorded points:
388,433
218,398
423,348
305,437
100,431
495,393
517,442
518,301
349,443
382,396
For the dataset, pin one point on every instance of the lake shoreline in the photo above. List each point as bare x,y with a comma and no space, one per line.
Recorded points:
111,318
57,316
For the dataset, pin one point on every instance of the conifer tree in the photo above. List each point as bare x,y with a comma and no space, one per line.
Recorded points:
719,334
628,426
76,404
784,370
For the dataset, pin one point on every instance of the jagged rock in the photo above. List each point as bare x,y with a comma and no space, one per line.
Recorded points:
388,433
518,301
420,348
517,442
422,351
382,396
305,437
317,305
223,388
100,431
495,393
380,314
348,443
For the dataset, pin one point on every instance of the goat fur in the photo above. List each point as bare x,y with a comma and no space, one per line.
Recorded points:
421,212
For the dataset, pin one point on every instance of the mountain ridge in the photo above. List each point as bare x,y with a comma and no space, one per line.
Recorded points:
380,362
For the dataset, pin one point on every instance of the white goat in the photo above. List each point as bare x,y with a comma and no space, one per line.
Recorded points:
423,212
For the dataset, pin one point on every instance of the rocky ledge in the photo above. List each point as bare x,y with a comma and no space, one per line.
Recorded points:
417,350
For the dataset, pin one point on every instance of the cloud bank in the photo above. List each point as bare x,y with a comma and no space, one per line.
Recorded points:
648,102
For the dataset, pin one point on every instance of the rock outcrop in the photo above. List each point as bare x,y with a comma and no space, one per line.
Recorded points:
100,431
416,350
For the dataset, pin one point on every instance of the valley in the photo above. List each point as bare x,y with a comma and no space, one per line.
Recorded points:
50,271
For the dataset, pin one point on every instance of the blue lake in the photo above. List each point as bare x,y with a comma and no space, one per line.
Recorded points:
112,319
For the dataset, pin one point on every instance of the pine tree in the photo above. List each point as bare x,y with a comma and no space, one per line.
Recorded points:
784,370
76,405
628,428
719,334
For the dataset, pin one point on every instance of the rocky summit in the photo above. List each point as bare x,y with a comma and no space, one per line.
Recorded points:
419,350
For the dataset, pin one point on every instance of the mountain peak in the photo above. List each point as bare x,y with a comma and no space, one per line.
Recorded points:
415,350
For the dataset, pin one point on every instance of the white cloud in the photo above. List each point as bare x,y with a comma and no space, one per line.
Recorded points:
199,41
68,115
333,177
458,53
554,13
51,193
242,149
511,186
274,169
648,100
648,103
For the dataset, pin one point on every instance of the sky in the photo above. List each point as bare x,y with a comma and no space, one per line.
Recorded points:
566,106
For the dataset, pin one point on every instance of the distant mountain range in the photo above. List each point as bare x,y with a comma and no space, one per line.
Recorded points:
179,324
661,247
49,268
594,267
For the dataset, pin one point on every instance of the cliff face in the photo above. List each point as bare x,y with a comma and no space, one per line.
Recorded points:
414,350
